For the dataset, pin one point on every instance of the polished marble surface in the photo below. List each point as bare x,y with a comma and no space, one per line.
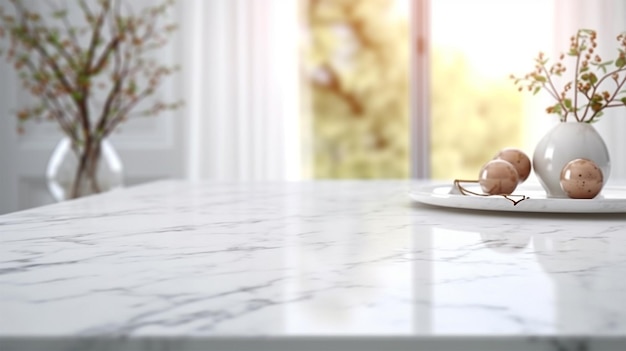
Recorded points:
311,265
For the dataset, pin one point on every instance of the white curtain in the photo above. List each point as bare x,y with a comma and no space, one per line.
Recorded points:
242,89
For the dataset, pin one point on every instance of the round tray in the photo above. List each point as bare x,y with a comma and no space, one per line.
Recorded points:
612,199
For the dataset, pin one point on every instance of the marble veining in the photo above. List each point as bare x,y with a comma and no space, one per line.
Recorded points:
345,265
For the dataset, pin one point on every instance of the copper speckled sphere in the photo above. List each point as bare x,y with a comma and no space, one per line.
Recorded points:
518,159
498,177
581,179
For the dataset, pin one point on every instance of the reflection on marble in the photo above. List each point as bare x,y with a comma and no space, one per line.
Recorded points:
314,265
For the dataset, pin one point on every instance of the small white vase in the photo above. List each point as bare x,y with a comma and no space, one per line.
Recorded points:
565,142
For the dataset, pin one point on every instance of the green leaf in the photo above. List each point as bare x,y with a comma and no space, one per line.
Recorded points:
53,38
623,100
568,103
536,90
541,79
132,87
584,69
59,14
620,62
592,78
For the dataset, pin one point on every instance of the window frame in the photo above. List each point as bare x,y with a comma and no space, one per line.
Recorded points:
420,90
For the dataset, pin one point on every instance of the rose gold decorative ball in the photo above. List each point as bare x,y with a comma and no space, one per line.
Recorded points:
581,179
518,159
498,177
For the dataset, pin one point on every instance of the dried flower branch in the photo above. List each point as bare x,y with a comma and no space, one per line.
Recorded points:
588,94
89,77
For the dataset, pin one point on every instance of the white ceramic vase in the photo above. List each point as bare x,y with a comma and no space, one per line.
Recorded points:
565,142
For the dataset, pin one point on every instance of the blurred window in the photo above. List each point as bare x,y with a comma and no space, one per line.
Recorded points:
357,75
357,71
475,108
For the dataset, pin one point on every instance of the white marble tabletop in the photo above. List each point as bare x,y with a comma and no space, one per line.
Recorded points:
320,265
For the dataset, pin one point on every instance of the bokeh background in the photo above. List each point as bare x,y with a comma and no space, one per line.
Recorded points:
295,90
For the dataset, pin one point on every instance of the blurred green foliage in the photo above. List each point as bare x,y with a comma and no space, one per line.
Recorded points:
357,65
472,117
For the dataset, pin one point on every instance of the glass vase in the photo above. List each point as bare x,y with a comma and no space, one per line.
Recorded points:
75,170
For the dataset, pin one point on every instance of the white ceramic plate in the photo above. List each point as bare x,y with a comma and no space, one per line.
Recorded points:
612,199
